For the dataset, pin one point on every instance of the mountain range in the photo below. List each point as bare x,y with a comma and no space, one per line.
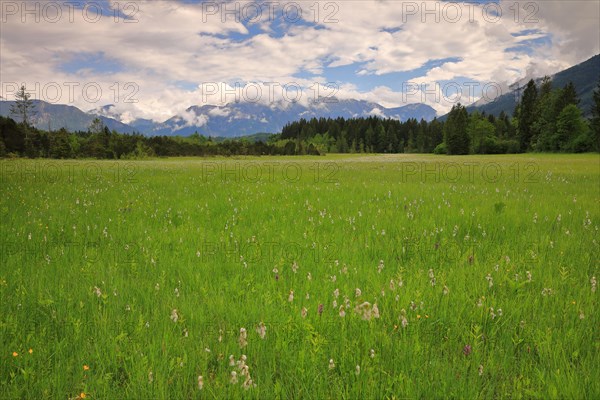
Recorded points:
243,119
231,120
584,76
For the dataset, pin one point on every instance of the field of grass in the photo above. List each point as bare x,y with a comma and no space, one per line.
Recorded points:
401,276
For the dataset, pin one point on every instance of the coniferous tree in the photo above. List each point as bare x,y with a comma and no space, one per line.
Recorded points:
595,122
23,107
455,131
526,115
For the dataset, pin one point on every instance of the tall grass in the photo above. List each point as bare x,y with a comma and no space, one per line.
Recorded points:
132,279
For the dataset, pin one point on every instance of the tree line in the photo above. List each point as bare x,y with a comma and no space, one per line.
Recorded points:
545,119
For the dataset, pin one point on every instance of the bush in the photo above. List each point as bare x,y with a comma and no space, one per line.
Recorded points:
440,149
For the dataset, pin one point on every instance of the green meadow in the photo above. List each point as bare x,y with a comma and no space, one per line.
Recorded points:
355,276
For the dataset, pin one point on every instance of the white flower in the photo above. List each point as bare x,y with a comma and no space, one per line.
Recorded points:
358,370
291,296
243,337
342,312
372,353
234,378
375,311
261,329
174,315
331,364
304,312
200,382
357,292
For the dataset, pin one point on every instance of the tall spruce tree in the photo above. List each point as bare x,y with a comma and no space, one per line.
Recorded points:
595,122
456,137
527,115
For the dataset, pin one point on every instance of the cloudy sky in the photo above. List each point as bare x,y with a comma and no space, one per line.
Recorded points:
153,59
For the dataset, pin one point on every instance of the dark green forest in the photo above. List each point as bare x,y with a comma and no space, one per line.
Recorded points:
546,119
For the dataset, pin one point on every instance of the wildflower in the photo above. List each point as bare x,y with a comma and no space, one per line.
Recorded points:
490,280
445,290
480,369
403,320
97,291
581,314
295,267
331,364
231,361
309,276
248,383
30,351
157,287
150,377
334,304
304,312
547,292
185,332
261,329
176,292
291,296
234,378
243,337
336,293
174,315
320,309
380,266
528,274
82,395
15,354
342,312
86,368
372,353
358,370
200,382
593,282
499,311
467,350
492,314
357,292
375,311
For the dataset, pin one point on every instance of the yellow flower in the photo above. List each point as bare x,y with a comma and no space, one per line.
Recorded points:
15,354
30,351
82,395
85,368
418,316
